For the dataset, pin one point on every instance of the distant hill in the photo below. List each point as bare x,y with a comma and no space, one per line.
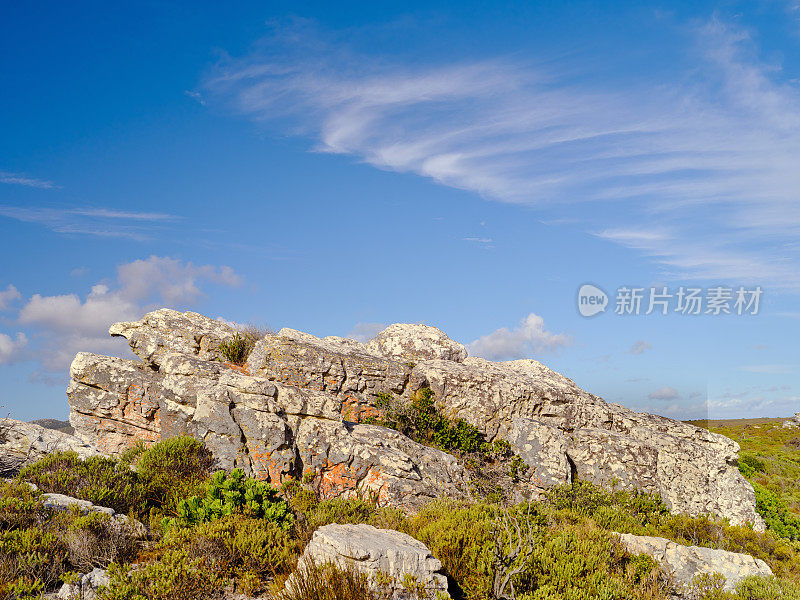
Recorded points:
56,424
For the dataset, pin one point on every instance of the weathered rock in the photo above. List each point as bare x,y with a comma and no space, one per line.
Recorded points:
283,414
24,443
329,365
544,449
693,470
62,502
381,554
405,342
349,458
269,430
164,331
87,587
686,562
792,423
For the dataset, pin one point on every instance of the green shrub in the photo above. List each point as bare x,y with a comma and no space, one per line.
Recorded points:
775,513
750,464
174,577
98,479
253,551
462,538
420,421
767,588
234,493
582,562
172,470
237,349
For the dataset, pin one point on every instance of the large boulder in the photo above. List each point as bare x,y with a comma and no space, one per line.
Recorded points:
413,343
386,557
684,563
24,443
294,408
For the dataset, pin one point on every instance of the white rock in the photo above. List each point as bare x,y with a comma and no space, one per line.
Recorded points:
87,587
404,341
686,562
378,552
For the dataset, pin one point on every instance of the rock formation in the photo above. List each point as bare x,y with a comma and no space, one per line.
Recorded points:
382,555
24,443
686,562
298,405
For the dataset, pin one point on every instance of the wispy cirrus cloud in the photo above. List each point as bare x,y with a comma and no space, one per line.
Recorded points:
102,222
710,157
24,180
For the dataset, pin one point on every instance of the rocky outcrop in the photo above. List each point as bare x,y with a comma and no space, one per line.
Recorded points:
298,405
391,559
695,471
24,443
413,343
684,563
271,430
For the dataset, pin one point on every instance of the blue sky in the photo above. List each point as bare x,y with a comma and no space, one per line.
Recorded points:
333,168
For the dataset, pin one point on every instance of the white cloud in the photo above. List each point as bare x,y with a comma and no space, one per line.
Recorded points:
364,332
529,338
640,347
483,241
19,179
664,393
101,222
171,280
10,348
7,297
711,156
68,323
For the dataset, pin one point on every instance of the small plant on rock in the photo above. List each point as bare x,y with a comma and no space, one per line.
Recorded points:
237,349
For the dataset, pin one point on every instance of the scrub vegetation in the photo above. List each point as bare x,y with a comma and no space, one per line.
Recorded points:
208,534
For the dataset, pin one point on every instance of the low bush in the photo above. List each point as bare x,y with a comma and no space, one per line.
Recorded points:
250,551
233,494
776,513
329,582
173,469
462,538
420,421
174,577
750,464
38,545
96,540
767,588
98,479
